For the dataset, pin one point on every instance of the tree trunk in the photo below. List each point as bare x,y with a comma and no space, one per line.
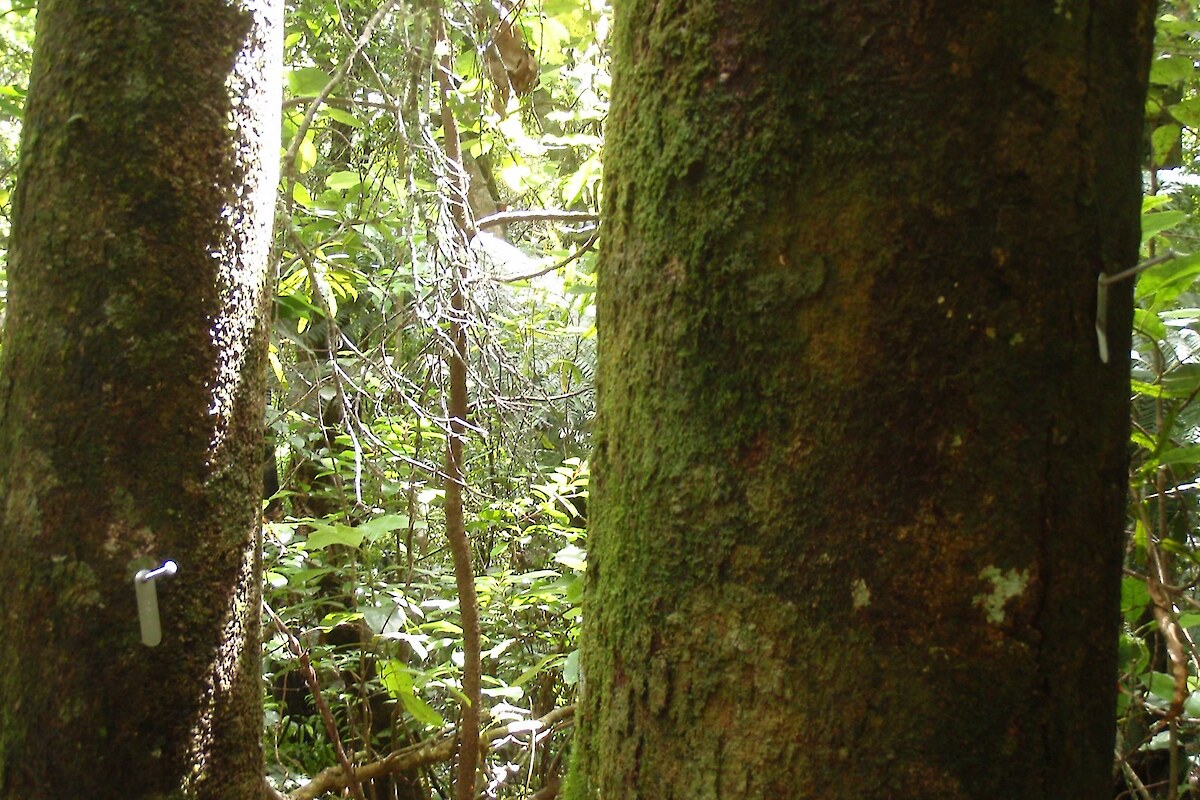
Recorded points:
131,400
860,478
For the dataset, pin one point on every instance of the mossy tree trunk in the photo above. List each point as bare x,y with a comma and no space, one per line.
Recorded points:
860,477
131,400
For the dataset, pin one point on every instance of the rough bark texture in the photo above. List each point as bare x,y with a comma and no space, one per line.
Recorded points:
131,400
859,486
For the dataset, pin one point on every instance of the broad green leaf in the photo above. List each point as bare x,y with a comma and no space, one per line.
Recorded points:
1164,139
442,626
1153,201
301,195
1182,381
341,181
1134,596
588,172
1161,685
307,81
395,678
1148,324
398,682
1170,279
555,8
572,557
1187,112
342,116
331,621
326,535
1132,654
1177,456
1171,70
1146,389
571,668
1159,221
306,155
376,528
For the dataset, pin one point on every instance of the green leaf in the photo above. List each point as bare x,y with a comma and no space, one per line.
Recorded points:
297,306
1164,282
342,116
331,621
341,181
1161,685
1171,70
1159,221
571,668
306,155
325,535
421,711
1153,201
398,681
1146,389
1142,440
1164,139
1187,112
574,593
1134,597
375,529
1132,655
572,557
1178,456
1149,324
395,678
529,674
1182,381
301,195
307,81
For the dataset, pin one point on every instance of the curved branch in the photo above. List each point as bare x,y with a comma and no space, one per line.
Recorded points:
535,215
422,754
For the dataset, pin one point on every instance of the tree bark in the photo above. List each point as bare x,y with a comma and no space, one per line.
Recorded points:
859,486
131,400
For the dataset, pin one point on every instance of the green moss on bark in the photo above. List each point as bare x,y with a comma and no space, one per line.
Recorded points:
131,402
848,377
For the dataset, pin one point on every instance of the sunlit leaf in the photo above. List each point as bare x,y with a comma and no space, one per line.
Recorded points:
307,81
326,535
1164,139
572,557
341,181
1159,221
571,668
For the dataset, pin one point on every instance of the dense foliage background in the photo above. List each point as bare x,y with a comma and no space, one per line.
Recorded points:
360,583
